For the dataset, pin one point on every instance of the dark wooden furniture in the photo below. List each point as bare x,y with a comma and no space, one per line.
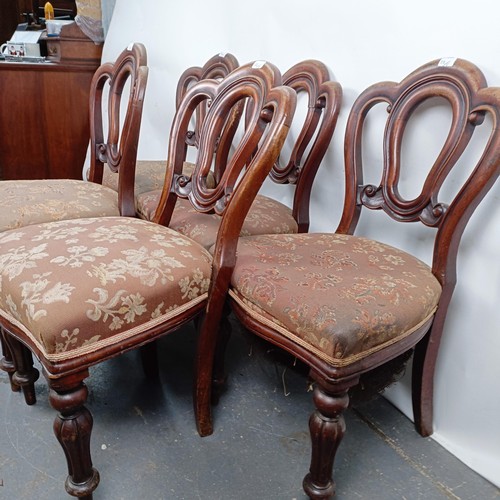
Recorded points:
9,19
44,118
344,304
135,280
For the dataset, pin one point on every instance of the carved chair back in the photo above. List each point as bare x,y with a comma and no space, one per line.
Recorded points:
324,98
114,141
266,129
217,68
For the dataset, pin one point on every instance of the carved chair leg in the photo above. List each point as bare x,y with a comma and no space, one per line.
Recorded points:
25,375
149,360
7,363
327,428
73,428
219,376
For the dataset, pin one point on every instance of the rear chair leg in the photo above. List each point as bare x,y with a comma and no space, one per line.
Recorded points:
424,366
7,363
25,374
219,376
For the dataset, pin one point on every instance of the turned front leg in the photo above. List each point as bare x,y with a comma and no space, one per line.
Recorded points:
327,428
73,428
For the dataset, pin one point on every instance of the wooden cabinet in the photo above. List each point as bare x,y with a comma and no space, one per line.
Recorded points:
44,118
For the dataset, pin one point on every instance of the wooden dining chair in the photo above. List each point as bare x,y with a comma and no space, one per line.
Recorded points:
113,142
346,304
81,291
309,145
150,174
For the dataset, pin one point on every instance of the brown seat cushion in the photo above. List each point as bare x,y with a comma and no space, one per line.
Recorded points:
76,286
35,201
149,176
341,297
266,216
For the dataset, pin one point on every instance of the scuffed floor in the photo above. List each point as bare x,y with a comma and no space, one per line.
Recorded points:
145,443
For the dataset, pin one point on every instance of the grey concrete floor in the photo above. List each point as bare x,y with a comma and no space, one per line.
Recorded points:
145,444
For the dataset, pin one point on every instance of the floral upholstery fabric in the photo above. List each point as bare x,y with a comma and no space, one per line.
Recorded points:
149,176
76,286
266,216
341,297
35,201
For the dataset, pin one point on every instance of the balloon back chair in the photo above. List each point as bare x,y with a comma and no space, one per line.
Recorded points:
24,202
346,304
78,292
323,99
150,174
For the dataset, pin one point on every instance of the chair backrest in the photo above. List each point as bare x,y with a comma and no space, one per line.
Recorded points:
464,87
119,148
323,105
253,156
217,67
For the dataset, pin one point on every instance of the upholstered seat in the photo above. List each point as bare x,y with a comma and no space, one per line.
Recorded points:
32,201
101,276
149,176
308,286
266,216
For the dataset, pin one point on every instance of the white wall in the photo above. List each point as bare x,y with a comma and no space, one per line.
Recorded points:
362,42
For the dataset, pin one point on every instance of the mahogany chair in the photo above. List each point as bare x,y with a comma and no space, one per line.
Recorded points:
150,174
81,291
268,216
346,304
25,202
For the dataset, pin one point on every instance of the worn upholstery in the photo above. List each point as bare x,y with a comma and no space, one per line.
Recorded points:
73,287
266,216
35,201
341,297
